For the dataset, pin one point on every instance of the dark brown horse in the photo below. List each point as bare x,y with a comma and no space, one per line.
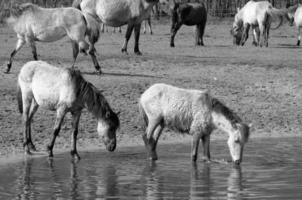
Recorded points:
189,14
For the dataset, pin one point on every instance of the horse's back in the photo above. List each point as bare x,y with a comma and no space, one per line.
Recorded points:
298,16
176,106
48,84
196,13
253,10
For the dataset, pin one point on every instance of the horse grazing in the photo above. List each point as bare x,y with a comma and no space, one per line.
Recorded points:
62,90
117,13
190,111
189,14
33,23
295,17
259,16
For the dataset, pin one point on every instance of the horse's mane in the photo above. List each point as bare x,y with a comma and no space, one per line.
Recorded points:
219,107
20,9
93,99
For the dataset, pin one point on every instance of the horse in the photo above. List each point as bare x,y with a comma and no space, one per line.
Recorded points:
117,13
295,17
259,16
62,90
194,112
33,23
189,14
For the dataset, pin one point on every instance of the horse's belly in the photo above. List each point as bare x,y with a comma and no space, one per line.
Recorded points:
49,34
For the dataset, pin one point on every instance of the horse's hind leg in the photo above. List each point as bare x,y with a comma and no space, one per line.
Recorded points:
91,52
19,45
75,125
34,50
137,30
26,101
299,36
75,52
61,111
33,110
174,29
201,33
127,37
148,137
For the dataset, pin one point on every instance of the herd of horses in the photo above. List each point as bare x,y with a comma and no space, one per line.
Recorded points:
65,90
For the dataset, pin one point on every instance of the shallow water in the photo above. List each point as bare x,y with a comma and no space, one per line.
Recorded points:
272,169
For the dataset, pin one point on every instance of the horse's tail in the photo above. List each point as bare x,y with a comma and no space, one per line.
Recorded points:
77,4
279,14
93,28
19,99
142,116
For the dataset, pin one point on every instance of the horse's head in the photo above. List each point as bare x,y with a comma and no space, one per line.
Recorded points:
237,28
237,140
107,127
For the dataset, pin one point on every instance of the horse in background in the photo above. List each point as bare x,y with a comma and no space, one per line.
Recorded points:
33,23
295,18
117,13
190,111
62,90
189,14
259,16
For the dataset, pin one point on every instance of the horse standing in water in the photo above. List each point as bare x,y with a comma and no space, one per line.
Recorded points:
295,17
117,13
190,111
62,90
189,14
33,23
259,16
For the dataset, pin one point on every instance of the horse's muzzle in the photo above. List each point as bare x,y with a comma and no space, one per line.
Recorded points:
111,146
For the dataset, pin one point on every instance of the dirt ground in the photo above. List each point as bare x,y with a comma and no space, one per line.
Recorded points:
263,85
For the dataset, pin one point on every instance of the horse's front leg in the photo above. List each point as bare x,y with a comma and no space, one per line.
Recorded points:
245,34
195,145
137,30
21,41
127,37
26,123
75,125
174,29
61,111
91,52
206,147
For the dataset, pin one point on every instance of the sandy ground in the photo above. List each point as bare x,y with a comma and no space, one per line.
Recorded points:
263,85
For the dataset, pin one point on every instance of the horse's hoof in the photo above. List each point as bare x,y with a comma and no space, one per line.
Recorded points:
75,155
172,45
298,43
138,53
32,147
9,65
124,51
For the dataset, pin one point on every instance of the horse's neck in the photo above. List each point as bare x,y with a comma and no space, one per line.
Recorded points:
221,122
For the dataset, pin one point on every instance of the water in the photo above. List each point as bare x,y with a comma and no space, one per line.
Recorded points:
272,169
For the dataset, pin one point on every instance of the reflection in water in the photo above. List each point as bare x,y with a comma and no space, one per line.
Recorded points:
200,184
26,183
235,183
152,182
274,174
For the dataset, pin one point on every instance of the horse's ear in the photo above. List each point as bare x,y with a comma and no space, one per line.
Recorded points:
238,9
118,113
